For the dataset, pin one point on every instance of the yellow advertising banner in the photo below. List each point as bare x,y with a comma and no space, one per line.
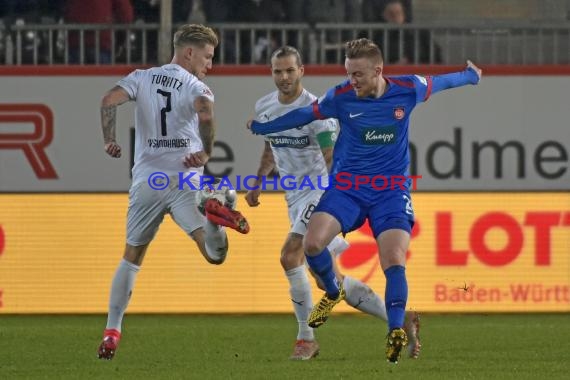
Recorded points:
470,252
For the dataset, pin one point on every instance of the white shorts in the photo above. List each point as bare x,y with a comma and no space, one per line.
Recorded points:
300,211
147,208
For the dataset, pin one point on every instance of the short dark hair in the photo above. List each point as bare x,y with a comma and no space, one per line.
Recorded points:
285,51
363,48
195,34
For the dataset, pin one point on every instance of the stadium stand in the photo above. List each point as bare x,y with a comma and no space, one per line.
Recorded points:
514,32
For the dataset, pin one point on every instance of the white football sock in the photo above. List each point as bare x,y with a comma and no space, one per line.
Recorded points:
300,291
337,246
361,297
121,290
216,241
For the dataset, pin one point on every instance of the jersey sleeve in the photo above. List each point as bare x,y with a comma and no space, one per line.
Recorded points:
292,119
426,86
325,106
323,126
200,89
130,83
423,86
257,110
322,108
325,132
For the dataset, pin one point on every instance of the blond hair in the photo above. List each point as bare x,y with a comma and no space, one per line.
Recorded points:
195,34
363,48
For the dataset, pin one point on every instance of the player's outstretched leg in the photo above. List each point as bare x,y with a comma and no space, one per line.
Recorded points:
412,328
323,309
108,346
361,297
218,205
222,215
337,246
322,265
395,342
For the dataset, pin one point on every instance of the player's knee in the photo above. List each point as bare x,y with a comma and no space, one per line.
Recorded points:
390,261
291,259
135,254
313,245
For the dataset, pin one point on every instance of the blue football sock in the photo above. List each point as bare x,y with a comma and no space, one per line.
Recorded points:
396,296
322,265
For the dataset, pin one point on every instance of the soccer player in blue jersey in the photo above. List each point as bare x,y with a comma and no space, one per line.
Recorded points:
308,154
373,112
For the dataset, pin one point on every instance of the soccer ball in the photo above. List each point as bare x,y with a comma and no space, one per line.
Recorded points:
226,196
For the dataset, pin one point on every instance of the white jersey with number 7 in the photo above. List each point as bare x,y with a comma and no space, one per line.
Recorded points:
166,123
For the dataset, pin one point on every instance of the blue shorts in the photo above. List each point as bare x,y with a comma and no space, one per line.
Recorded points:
389,210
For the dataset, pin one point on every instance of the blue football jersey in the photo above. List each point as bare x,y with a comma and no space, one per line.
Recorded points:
373,138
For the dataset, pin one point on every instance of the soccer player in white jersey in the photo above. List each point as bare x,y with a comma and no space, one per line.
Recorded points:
306,153
175,129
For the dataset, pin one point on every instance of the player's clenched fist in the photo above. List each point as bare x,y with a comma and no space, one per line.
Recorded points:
196,160
113,149
252,197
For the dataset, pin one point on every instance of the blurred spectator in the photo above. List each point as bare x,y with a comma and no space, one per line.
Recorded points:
372,10
333,12
220,11
258,11
326,11
95,12
146,11
329,11
197,14
34,44
353,11
181,10
295,11
401,44
217,10
28,10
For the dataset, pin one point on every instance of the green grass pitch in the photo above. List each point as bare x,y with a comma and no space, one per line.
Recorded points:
534,346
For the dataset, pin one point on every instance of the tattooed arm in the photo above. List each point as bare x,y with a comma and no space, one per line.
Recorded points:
266,166
207,128
113,98
206,124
